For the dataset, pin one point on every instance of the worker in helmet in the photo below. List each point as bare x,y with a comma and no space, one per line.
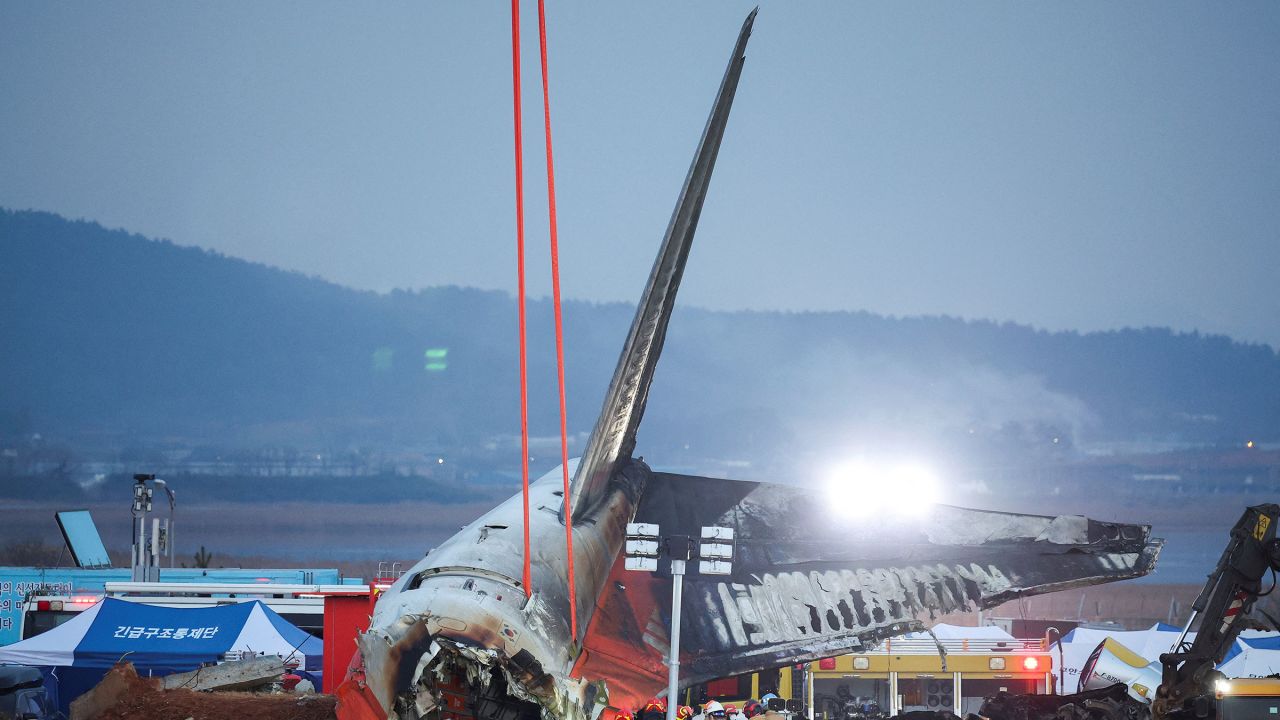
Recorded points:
684,712
655,709
769,714
713,711
752,709
731,712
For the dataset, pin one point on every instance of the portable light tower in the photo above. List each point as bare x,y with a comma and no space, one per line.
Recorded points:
715,557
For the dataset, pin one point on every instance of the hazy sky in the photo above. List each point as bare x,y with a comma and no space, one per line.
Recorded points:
1077,165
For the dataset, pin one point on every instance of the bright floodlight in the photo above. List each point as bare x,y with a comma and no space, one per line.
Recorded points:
642,529
647,548
712,532
641,563
714,567
864,489
715,551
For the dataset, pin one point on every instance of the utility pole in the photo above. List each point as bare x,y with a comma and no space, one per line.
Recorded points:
141,506
679,548
148,552
170,523
715,554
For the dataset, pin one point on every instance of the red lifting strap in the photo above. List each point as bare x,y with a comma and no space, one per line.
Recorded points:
555,296
524,371
555,291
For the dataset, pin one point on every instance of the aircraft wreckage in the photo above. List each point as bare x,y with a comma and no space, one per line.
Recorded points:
456,636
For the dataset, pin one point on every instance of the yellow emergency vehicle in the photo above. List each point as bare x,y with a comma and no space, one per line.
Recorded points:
1248,698
901,675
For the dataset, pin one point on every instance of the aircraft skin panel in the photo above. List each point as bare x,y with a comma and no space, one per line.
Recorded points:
614,436
810,582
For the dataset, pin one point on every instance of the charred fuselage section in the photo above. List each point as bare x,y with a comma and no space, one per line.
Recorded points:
461,615
461,684
458,628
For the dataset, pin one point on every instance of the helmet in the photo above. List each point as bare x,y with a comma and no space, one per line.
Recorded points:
622,715
713,708
656,705
684,712
731,710
752,709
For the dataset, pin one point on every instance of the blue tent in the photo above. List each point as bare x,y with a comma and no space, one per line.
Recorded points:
1268,642
158,641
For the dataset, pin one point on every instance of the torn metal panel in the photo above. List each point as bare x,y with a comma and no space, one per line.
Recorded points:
235,675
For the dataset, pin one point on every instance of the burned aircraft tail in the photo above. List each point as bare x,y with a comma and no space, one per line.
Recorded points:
460,635
614,435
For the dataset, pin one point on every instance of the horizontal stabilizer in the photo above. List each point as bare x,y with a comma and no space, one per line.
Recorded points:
811,580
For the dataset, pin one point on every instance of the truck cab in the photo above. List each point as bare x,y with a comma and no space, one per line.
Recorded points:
1248,698
22,694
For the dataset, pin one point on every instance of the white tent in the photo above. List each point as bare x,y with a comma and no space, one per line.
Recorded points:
944,631
1078,644
1254,655
962,632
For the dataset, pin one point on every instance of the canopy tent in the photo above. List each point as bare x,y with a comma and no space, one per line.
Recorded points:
158,641
1078,644
944,631
1253,655
963,632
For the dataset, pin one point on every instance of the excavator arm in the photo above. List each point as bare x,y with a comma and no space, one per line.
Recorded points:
1187,673
1229,594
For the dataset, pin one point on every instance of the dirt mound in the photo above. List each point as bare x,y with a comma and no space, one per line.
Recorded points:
121,681
184,704
135,698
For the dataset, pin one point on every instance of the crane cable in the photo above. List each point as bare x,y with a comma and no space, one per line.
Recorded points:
555,295
524,375
555,290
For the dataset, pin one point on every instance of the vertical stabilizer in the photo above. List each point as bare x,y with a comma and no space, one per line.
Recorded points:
614,435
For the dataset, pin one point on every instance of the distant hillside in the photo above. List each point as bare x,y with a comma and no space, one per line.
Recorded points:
113,337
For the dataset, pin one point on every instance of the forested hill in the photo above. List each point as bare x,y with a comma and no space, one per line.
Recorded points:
114,336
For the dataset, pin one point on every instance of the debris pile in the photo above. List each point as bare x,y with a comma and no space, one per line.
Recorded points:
122,695
250,674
